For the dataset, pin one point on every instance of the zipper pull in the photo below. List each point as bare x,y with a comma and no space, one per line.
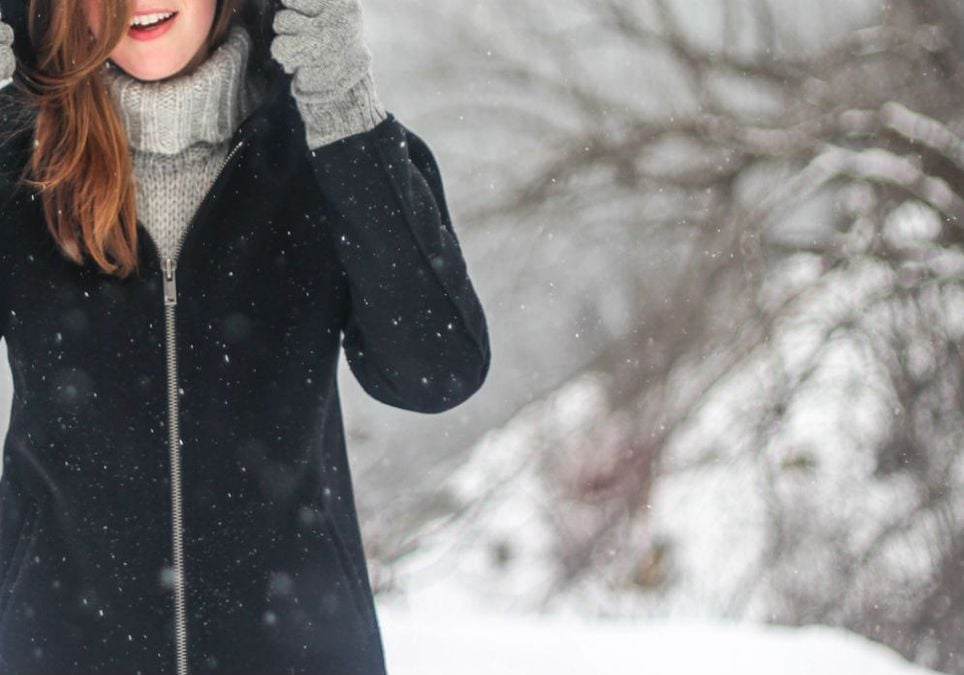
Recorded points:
170,282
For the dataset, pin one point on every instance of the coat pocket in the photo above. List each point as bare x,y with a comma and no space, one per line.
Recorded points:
344,563
314,609
26,536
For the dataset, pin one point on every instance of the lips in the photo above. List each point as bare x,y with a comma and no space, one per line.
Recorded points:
153,31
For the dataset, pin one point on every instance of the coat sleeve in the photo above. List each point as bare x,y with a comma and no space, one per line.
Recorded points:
415,334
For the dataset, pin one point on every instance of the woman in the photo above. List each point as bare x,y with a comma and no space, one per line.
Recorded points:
194,220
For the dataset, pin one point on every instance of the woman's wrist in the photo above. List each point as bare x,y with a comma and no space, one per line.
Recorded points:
358,110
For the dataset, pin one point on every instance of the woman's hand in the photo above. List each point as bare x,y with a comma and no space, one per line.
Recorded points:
322,43
7,60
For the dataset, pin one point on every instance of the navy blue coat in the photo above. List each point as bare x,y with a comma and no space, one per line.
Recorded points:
175,495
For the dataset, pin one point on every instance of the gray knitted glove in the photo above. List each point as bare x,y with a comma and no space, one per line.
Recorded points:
7,60
322,42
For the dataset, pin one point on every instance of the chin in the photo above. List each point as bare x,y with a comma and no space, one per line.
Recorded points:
150,74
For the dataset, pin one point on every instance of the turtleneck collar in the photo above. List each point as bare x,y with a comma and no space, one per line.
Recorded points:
207,105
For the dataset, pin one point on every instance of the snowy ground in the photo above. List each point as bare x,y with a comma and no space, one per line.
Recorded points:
424,640
459,614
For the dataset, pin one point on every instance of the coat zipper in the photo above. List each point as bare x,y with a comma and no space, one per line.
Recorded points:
168,269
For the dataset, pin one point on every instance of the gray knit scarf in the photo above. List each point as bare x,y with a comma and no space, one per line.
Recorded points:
178,131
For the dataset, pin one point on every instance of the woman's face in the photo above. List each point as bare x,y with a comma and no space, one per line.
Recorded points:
163,51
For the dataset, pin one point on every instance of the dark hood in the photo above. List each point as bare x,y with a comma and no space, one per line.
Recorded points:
257,15
269,77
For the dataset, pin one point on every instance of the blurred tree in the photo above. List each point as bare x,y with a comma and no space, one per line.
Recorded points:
758,206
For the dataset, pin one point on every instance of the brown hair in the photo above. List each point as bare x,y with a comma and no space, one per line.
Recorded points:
80,160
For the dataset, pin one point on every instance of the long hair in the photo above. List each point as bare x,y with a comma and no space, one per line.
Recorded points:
80,161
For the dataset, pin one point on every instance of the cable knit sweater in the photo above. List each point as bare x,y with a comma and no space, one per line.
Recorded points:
179,130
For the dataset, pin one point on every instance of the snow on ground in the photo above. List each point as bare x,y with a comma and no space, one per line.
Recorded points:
423,640
456,612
